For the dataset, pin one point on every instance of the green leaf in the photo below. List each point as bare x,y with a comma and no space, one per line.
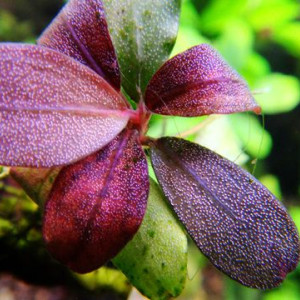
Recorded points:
189,30
269,14
219,13
295,213
288,37
189,15
143,34
171,125
272,183
218,135
6,227
104,278
236,291
256,140
255,67
187,38
288,290
236,43
12,29
155,261
279,93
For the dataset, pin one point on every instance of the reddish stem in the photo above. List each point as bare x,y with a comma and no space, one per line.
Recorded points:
140,120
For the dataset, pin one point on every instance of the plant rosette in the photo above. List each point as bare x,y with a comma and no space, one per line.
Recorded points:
63,114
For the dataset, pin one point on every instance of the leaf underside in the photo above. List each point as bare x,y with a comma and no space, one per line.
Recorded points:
97,204
80,31
198,82
143,33
234,220
53,110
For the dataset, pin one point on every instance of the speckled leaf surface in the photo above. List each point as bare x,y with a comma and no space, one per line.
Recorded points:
53,110
80,31
155,261
143,34
36,182
97,204
234,220
198,82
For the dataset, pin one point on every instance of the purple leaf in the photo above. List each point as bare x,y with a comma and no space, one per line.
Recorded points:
234,220
198,82
53,110
97,204
80,31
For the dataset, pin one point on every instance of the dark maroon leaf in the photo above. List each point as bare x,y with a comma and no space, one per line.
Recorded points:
80,31
97,204
53,110
198,82
234,220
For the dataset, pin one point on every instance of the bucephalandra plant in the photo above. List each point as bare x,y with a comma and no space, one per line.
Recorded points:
62,112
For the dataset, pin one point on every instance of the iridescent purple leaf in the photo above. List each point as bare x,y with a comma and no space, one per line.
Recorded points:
97,204
234,220
53,110
80,31
198,82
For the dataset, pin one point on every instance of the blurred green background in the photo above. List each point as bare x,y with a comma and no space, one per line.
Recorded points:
261,40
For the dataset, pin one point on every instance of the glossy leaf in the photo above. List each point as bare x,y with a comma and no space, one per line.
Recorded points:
143,33
80,31
234,220
198,82
53,110
155,261
97,204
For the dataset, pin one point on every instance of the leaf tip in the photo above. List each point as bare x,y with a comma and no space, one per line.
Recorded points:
257,110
